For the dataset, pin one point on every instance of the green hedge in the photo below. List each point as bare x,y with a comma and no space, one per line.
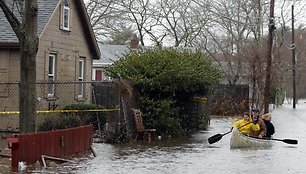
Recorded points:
167,80
75,119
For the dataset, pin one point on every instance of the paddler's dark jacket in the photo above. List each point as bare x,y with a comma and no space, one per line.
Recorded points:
270,128
262,131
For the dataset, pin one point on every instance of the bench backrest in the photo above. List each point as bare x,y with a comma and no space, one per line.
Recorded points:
138,120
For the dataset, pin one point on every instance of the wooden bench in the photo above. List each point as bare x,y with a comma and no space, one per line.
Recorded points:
140,130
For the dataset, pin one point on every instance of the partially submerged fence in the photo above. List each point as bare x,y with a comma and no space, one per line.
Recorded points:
116,94
52,98
29,148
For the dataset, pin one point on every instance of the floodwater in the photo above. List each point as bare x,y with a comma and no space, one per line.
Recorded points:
195,156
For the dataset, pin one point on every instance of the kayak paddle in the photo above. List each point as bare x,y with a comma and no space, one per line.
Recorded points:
288,141
218,137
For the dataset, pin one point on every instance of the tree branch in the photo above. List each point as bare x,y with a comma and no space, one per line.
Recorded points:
12,19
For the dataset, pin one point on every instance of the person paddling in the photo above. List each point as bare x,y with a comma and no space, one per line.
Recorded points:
245,125
256,119
270,128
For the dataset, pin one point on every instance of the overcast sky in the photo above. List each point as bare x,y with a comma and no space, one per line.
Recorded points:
299,11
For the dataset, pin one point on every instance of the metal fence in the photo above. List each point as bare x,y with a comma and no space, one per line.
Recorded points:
52,98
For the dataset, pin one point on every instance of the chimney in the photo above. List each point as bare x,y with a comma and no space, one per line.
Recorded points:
134,42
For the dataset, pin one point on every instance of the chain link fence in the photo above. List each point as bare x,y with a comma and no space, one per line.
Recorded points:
59,100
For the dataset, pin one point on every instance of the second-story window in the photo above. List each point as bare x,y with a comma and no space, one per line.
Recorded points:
66,17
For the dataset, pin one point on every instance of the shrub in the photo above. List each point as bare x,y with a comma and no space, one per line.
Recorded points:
75,119
65,122
94,117
166,79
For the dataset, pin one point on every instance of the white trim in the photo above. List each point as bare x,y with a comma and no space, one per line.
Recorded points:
101,65
81,77
64,9
52,74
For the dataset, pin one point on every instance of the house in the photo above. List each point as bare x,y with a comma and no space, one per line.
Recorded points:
67,48
110,54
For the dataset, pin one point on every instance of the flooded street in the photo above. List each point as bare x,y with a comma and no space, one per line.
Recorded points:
194,155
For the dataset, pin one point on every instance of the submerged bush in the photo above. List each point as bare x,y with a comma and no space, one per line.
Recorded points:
75,119
167,79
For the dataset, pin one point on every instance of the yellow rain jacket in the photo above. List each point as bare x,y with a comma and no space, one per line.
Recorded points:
246,129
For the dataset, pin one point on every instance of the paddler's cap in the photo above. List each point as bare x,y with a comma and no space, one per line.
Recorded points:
255,110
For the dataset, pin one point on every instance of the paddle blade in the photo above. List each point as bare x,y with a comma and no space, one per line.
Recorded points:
215,138
290,141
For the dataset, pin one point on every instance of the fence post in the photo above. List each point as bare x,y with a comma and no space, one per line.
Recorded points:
13,144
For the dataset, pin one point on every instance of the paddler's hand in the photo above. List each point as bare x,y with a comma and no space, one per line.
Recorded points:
259,136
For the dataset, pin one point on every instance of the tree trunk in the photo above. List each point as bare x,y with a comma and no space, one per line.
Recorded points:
269,58
28,41
28,49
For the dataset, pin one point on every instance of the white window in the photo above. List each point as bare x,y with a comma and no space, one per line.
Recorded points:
81,78
51,75
66,17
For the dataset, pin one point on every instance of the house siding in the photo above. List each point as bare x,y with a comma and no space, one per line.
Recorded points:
9,65
4,65
68,47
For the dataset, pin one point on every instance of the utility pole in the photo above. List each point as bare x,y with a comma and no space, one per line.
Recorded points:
293,58
269,58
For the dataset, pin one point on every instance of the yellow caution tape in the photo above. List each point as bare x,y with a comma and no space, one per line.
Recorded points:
63,111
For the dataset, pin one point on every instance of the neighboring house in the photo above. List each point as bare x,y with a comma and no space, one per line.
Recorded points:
109,54
67,47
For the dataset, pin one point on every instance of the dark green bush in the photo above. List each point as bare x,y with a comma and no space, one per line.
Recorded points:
93,117
162,115
167,79
75,119
64,122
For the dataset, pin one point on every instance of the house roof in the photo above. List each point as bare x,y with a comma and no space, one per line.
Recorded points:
45,12
110,53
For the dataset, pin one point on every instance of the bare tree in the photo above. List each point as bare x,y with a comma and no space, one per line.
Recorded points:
285,47
108,21
234,32
183,21
139,13
180,21
26,31
232,28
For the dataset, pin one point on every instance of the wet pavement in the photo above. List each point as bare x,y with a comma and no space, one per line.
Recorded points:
195,156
